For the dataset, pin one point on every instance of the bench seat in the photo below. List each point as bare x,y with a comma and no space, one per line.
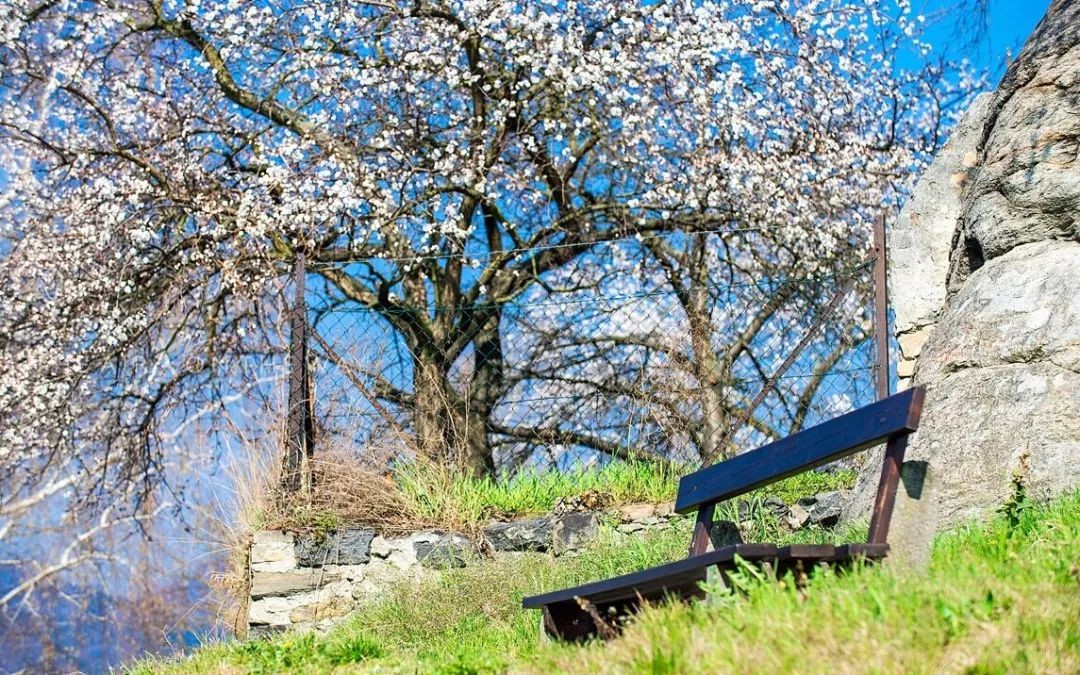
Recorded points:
597,608
682,580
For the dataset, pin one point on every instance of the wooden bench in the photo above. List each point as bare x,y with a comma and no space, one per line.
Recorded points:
598,608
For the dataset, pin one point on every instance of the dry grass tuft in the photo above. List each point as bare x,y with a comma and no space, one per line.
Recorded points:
345,492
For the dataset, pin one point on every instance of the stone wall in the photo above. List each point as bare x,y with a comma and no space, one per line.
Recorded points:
311,582
920,240
307,581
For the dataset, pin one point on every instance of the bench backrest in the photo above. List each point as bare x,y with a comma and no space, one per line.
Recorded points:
890,419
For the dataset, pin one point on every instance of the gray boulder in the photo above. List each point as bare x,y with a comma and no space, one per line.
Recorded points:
724,533
444,552
1002,367
824,509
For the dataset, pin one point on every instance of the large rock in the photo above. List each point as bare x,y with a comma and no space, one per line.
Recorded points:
574,531
444,551
1002,367
1027,186
1021,308
265,584
1003,386
272,551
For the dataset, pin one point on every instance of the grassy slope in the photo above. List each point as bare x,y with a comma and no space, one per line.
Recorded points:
1001,597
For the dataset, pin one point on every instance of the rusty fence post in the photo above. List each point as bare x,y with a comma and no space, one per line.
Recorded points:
894,449
299,426
881,309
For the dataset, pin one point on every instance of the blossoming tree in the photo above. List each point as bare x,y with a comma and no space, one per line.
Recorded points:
167,160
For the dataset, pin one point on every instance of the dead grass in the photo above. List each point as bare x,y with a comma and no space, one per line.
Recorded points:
345,492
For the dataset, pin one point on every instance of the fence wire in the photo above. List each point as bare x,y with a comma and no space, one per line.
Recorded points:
671,351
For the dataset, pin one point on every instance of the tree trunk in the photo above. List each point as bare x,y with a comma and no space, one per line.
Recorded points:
451,428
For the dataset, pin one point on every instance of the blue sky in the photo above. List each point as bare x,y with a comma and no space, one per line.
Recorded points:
1010,24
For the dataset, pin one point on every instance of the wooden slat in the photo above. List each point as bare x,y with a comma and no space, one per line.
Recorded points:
824,443
655,580
868,551
807,551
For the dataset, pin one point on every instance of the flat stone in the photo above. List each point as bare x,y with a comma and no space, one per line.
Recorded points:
905,368
912,343
347,547
287,583
348,572
665,510
272,546
532,534
448,551
269,612
575,530
326,608
280,566
262,631
630,512
797,517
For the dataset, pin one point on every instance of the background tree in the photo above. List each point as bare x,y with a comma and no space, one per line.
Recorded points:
434,161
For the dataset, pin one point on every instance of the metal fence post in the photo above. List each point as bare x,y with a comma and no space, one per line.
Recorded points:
881,309
299,427
894,449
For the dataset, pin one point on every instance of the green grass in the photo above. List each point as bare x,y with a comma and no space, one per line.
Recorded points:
479,499
1001,597
437,497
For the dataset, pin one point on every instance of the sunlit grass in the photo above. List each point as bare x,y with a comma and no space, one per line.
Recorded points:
1001,597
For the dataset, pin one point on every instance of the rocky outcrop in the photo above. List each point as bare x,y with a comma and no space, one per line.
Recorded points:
1026,188
919,242
1002,366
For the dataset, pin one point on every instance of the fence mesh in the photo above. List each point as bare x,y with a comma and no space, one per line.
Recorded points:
662,350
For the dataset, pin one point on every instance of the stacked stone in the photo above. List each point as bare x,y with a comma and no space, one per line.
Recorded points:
920,240
309,581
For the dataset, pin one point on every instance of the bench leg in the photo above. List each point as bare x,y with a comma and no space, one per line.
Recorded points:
545,620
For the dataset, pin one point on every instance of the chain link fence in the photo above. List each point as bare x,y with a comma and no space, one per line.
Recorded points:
637,350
